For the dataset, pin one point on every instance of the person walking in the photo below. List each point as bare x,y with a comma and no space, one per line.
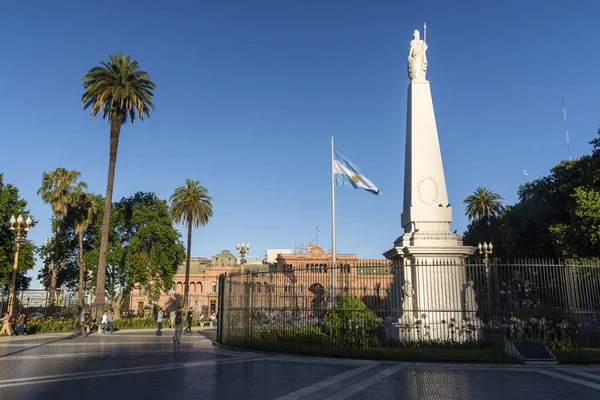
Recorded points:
178,325
159,319
109,320
6,328
103,323
81,321
190,317
172,319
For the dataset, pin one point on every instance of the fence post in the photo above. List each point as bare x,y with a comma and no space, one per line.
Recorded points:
220,306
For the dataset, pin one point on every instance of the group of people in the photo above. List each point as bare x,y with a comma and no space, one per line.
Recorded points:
176,321
105,326
21,327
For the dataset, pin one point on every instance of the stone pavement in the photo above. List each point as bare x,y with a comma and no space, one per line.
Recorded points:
140,365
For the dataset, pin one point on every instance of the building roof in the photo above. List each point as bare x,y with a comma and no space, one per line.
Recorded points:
224,259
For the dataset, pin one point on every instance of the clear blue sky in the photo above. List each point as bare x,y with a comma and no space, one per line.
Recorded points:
249,92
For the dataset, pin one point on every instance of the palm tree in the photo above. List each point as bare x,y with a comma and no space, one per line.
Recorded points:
483,204
83,207
191,205
58,188
121,92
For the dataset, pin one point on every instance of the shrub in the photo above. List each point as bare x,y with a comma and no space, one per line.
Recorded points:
296,333
350,323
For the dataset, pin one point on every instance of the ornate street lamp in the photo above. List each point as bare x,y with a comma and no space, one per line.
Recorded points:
486,249
19,226
242,249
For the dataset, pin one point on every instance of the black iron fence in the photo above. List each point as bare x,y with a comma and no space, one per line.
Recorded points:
433,309
35,302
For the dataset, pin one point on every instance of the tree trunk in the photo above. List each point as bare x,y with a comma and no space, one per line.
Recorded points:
98,308
186,291
80,261
117,305
54,274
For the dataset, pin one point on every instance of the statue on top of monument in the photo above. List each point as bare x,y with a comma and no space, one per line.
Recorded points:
417,59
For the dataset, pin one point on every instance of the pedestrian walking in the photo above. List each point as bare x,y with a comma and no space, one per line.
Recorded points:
109,320
6,328
213,319
81,321
190,317
159,319
103,323
178,325
172,319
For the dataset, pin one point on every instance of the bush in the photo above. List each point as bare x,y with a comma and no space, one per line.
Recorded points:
296,333
137,323
350,323
51,325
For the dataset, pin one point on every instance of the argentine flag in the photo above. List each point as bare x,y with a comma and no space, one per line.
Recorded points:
348,174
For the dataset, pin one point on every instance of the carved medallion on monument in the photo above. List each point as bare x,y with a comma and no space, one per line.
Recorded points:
427,190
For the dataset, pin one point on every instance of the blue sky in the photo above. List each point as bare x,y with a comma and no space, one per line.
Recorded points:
249,93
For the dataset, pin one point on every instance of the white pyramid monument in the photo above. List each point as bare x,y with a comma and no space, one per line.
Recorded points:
432,279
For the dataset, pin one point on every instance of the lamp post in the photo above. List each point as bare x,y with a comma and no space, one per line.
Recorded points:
19,226
242,249
486,250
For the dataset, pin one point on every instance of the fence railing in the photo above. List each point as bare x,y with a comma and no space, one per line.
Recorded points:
378,308
36,302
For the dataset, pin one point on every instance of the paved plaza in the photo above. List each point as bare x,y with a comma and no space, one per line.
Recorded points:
140,365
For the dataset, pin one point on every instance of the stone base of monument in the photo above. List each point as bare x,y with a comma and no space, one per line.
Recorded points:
448,327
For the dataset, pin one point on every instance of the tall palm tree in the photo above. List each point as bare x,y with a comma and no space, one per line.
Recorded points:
483,204
192,206
121,92
58,188
83,208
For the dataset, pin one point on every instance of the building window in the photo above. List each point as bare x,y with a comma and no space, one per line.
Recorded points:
258,287
213,287
199,286
192,287
307,267
179,287
300,288
345,287
286,287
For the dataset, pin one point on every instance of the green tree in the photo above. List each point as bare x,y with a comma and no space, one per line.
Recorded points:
11,203
483,204
145,249
192,206
579,236
84,207
120,91
58,188
555,216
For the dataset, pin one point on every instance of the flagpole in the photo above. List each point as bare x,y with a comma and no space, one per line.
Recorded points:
333,266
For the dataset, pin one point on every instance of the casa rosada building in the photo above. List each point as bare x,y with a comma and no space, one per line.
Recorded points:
302,280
